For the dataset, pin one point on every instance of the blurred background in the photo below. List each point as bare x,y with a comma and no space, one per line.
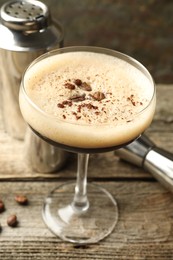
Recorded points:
142,29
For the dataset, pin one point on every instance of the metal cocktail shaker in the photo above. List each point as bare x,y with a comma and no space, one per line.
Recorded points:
144,153
27,31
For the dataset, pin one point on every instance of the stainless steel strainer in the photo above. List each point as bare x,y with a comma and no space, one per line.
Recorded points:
25,15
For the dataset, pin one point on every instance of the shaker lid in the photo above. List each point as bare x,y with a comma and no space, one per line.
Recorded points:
25,15
26,25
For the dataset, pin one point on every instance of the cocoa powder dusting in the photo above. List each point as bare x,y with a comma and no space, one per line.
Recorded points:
79,97
134,102
131,99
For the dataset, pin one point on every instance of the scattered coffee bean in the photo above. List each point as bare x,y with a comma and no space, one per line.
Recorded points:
70,86
21,199
98,96
12,221
78,82
60,105
67,102
77,98
2,207
85,86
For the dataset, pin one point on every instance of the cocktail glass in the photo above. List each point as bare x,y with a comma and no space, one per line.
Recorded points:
76,211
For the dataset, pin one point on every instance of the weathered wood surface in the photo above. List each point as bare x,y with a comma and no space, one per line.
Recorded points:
144,230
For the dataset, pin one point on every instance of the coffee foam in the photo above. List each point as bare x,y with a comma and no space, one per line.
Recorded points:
117,118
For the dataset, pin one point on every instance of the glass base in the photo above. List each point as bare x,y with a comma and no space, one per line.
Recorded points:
82,227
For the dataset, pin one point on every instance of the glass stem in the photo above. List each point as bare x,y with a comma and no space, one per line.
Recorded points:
80,202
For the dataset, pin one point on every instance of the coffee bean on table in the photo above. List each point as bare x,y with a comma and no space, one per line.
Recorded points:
2,206
12,221
21,199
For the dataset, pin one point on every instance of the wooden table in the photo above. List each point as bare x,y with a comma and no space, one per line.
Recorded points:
145,226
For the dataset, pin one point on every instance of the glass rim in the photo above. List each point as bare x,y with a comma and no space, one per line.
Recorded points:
132,61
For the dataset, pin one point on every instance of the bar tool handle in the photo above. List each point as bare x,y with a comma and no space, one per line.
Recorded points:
144,153
136,151
160,164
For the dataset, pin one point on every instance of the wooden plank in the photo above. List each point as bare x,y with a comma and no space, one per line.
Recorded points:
144,229
13,165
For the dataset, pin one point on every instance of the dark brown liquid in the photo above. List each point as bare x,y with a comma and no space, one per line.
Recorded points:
79,149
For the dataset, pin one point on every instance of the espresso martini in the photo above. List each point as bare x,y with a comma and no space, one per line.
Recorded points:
87,100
